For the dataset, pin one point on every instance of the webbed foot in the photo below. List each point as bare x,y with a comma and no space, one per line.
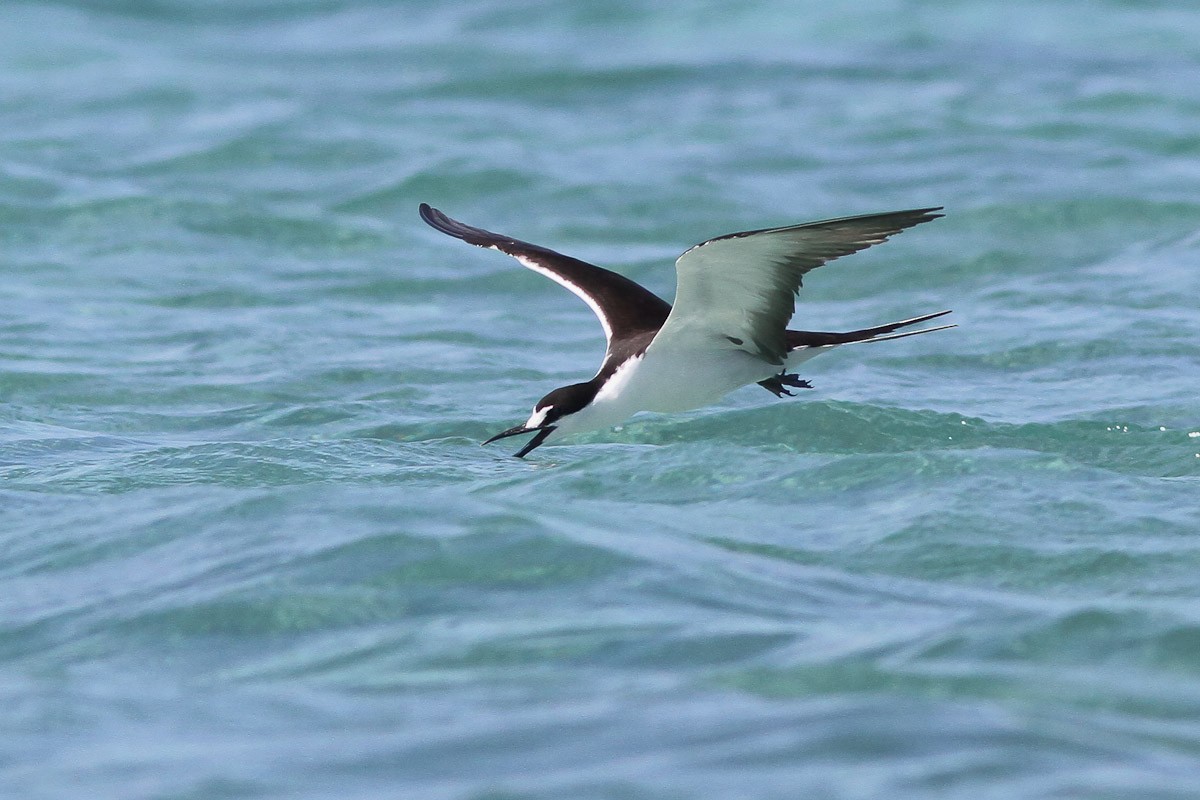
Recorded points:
777,384
795,381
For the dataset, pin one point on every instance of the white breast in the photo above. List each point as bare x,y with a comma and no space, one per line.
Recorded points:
671,380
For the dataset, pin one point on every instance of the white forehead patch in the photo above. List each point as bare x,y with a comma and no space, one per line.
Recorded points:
538,417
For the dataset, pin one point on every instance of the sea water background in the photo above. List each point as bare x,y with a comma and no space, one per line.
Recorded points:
250,547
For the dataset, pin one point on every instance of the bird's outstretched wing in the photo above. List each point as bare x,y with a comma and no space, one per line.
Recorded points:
742,286
623,307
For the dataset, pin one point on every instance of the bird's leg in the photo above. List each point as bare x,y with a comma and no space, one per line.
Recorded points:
776,384
793,380
775,387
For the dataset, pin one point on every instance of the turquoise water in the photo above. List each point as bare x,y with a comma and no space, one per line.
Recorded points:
250,547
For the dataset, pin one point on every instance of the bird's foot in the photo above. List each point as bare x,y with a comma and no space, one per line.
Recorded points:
773,386
794,381
777,384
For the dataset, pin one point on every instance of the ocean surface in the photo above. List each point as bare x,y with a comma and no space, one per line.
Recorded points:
250,546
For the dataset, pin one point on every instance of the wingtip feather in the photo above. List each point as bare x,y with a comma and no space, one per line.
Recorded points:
439,221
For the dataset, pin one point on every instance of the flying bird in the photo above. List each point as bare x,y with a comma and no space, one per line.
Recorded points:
734,297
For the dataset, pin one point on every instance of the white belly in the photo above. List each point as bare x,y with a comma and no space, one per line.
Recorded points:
670,382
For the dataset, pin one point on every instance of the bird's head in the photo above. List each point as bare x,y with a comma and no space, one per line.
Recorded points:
548,414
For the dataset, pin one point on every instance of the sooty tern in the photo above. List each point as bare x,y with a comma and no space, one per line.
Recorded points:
728,328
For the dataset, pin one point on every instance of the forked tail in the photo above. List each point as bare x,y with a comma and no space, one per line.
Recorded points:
880,333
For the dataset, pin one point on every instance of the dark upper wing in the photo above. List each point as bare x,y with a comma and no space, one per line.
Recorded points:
623,307
743,285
